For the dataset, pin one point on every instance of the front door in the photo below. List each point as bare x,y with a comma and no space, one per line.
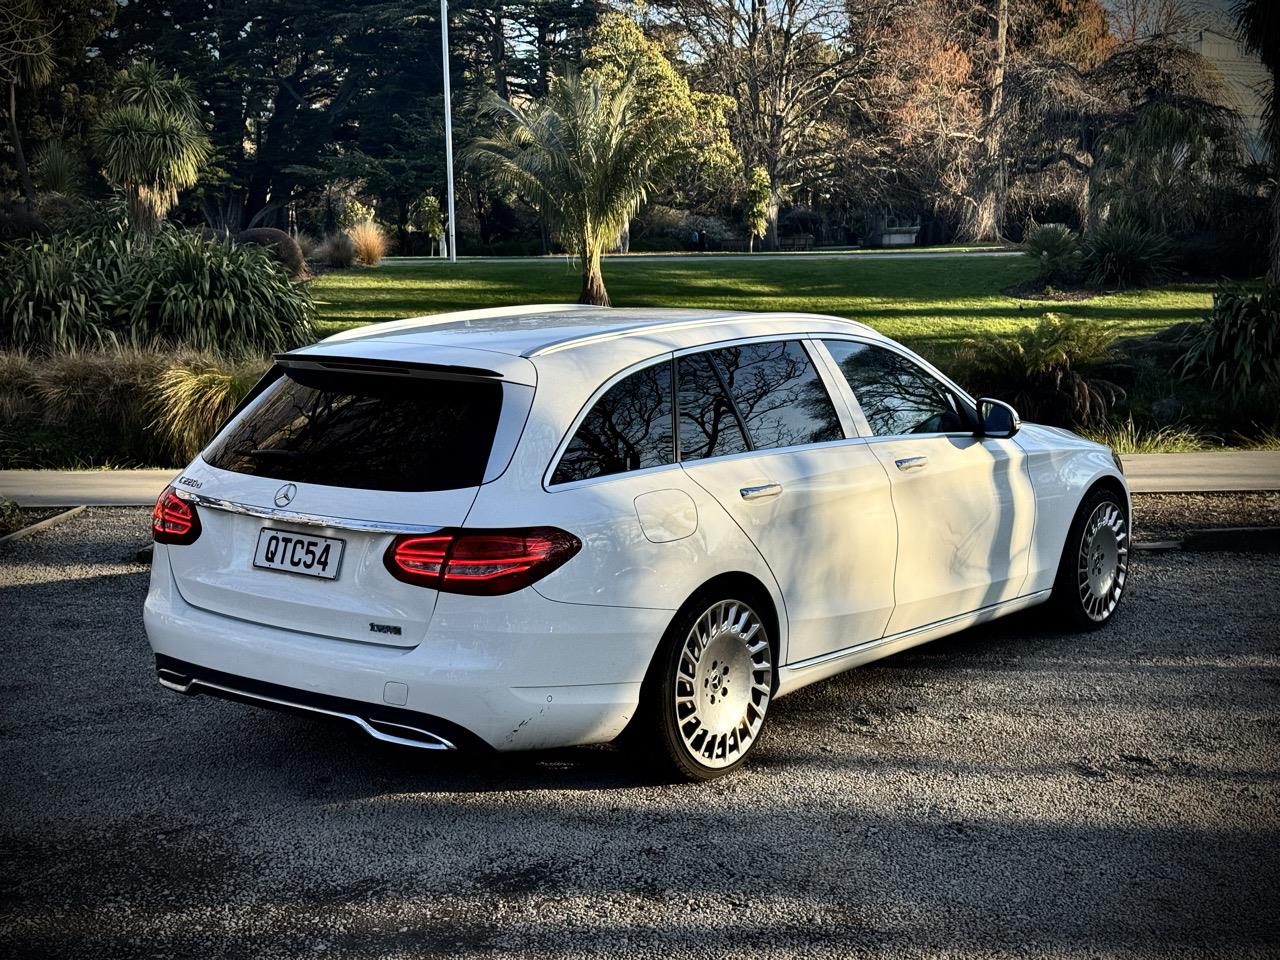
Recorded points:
758,431
964,504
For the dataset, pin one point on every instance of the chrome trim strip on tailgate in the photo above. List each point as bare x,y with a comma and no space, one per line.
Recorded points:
433,741
309,519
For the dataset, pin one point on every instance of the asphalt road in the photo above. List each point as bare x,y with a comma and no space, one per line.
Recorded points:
1009,791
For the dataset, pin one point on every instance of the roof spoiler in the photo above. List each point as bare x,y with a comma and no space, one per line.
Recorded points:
403,368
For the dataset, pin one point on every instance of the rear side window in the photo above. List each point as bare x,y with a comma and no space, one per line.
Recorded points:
897,397
369,431
709,424
629,428
777,390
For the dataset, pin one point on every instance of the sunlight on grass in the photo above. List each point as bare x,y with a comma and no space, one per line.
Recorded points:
931,304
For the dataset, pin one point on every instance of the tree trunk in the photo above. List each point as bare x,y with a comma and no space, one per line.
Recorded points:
20,158
141,210
771,219
1273,272
593,291
987,219
624,238
498,51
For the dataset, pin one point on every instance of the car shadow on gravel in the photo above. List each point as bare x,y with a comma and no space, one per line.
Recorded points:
366,763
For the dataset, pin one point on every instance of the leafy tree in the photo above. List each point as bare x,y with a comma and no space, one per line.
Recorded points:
26,60
756,213
619,53
427,218
584,156
793,71
152,142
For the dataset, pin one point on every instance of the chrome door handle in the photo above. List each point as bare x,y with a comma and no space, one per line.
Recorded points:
907,464
760,492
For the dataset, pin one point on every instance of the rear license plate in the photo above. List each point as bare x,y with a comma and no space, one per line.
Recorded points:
298,553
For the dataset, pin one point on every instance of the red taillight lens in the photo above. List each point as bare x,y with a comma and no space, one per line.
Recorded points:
479,562
174,520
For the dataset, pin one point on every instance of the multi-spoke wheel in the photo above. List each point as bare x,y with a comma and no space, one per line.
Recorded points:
1095,560
707,696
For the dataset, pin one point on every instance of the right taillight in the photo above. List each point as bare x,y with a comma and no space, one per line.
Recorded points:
174,520
479,562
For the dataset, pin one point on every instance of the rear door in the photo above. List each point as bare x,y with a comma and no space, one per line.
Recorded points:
350,456
759,431
964,504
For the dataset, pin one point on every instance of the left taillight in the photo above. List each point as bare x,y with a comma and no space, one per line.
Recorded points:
174,520
479,562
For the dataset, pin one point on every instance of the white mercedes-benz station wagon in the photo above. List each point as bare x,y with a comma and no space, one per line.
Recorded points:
542,526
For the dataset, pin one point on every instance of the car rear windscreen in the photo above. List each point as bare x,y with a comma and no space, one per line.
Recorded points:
368,431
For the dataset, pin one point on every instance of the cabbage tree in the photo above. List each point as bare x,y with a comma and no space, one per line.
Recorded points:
152,142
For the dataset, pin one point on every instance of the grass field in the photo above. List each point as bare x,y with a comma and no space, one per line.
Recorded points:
932,304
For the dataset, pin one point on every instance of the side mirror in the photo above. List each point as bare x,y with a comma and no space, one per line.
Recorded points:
997,419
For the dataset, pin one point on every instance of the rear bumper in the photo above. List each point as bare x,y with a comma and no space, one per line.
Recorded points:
506,673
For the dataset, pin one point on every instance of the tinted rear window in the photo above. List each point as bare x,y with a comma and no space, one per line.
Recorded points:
365,431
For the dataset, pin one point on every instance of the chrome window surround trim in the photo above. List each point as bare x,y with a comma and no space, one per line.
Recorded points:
433,742
306,519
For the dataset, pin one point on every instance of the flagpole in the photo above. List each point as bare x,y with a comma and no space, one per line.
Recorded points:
448,123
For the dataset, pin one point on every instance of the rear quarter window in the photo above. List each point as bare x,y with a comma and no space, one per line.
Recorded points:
629,428
366,431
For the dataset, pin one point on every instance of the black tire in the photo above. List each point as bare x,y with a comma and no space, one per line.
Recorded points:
660,729
1104,516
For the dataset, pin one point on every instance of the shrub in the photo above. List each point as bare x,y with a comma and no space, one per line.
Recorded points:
1056,252
59,169
1125,253
1043,370
370,242
118,406
1238,344
77,409
50,294
338,251
307,244
283,247
191,401
177,288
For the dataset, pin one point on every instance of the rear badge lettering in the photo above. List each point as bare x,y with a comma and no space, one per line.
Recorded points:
188,482
384,628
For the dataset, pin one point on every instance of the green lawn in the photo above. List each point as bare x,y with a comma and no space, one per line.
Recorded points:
932,304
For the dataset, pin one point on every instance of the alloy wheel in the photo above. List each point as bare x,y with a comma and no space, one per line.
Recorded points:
724,681
1103,561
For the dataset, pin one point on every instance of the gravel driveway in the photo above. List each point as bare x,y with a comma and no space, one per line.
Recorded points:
1009,791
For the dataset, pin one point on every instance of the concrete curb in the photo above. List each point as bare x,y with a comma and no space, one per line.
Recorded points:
1234,539
44,524
1219,540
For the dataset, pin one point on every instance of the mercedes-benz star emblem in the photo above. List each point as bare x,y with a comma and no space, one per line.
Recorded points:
285,495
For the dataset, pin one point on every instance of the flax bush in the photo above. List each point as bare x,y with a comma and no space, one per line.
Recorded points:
176,288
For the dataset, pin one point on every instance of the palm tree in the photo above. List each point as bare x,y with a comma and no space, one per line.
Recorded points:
584,156
26,60
1259,24
153,142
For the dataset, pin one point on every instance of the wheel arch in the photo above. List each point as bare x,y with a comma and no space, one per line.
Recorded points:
723,584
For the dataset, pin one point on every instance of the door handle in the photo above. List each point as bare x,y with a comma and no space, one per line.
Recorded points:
907,464
761,491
